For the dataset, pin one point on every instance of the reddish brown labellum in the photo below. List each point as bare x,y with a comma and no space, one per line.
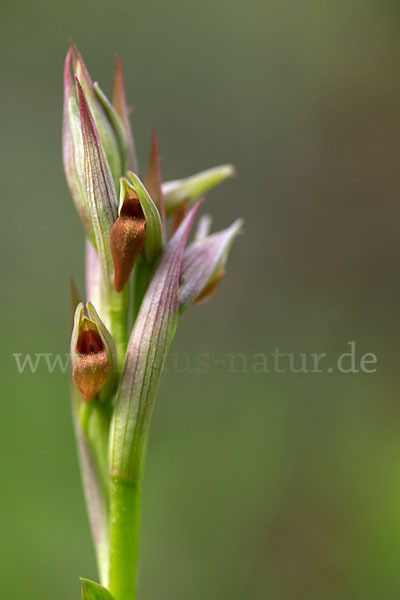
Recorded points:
127,238
91,367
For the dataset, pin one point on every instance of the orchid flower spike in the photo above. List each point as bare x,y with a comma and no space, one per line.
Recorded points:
141,275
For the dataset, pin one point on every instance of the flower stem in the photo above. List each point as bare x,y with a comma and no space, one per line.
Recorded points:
124,538
142,276
118,315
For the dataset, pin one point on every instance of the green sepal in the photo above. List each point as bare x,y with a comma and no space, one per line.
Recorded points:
100,193
104,126
94,591
74,163
116,123
191,188
79,313
154,237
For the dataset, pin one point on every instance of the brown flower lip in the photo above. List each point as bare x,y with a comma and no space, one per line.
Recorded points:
91,367
89,342
127,239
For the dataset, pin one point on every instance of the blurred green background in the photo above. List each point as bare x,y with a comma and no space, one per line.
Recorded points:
283,486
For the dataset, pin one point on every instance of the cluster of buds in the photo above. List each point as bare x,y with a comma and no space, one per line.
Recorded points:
140,276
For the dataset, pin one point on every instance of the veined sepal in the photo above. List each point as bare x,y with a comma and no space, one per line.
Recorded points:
191,188
203,264
100,194
72,147
104,125
147,349
154,231
118,126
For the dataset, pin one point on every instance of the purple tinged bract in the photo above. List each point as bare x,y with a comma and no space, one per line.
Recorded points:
147,349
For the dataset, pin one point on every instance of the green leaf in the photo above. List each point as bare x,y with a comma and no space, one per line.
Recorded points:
94,591
154,237
189,189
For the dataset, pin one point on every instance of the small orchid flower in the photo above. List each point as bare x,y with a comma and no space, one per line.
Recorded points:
141,275
128,235
93,353
191,188
112,130
203,265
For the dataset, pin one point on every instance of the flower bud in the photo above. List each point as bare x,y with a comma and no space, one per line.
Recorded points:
91,367
209,290
203,264
105,122
111,122
187,190
72,147
128,236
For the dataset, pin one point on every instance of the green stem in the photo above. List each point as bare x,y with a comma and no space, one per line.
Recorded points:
118,313
142,275
124,539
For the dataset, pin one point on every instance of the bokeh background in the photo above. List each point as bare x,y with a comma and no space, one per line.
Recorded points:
258,485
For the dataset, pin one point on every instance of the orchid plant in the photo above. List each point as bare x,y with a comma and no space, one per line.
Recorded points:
140,277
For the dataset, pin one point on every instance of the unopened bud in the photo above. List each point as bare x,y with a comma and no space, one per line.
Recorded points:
210,288
203,264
